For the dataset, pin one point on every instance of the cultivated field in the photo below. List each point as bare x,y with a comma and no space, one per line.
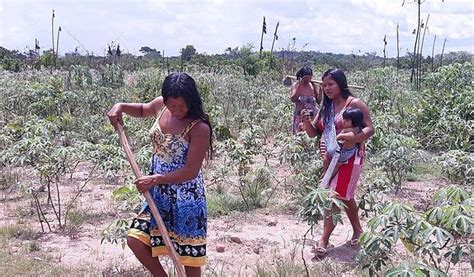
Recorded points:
67,195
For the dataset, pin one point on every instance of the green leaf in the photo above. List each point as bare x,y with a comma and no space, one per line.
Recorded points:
457,254
416,229
395,234
435,214
462,224
397,212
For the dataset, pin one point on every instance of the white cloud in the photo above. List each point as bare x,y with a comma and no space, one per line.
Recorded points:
213,25
461,26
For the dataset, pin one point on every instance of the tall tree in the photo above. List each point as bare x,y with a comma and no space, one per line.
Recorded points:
150,52
188,52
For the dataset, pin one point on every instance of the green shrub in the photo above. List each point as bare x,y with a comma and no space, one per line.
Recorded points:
457,166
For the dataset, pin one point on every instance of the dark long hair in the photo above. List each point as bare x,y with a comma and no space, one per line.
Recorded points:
340,78
180,84
355,115
304,71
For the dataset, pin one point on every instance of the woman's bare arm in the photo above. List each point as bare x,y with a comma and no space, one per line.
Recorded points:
317,91
310,126
294,94
134,109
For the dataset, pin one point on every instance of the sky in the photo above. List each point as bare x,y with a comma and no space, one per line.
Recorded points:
211,26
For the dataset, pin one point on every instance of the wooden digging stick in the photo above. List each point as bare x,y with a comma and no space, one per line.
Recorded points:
288,80
151,204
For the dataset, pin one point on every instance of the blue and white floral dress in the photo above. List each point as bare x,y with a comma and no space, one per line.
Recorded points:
182,206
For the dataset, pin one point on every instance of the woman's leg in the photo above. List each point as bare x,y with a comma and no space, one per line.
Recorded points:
143,254
352,212
192,271
328,227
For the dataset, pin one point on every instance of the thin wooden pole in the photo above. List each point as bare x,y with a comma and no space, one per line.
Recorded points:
442,53
275,37
264,31
57,49
52,43
421,49
398,47
291,78
432,54
151,203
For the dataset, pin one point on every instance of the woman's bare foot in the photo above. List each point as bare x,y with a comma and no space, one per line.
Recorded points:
321,249
356,235
354,240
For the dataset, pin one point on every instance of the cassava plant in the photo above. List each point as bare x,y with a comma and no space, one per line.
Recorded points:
438,238
397,158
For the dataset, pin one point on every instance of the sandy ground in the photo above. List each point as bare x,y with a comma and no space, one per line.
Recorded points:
236,243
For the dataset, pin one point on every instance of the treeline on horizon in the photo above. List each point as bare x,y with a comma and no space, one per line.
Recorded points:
251,62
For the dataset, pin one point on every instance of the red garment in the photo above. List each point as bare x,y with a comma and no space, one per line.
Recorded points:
347,178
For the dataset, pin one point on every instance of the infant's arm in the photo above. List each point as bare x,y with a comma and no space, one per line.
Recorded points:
348,145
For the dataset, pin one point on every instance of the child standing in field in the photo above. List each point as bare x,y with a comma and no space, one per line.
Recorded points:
352,122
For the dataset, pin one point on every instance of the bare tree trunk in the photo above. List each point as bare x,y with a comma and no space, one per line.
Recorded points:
384,49
414,70
432,54
36,46
52,39
417,56
275,37
398,47
261,39
163,61
420,72
57,49
414,60
442,53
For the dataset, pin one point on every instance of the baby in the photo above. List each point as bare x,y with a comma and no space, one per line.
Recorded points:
352,122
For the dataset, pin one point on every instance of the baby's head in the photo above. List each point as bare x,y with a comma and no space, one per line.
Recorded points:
352,117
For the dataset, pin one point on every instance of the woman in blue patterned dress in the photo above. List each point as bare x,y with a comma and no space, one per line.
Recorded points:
181,139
